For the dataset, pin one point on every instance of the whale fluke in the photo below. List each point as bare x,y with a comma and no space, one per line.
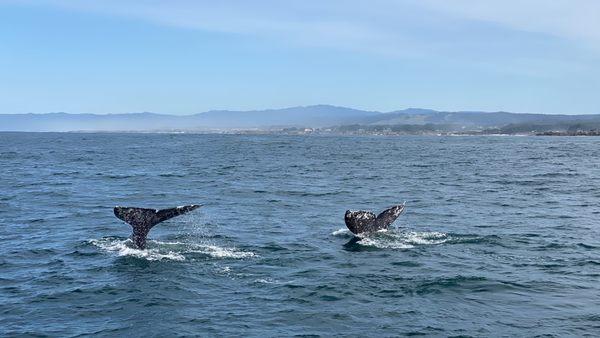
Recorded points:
360,222
142,219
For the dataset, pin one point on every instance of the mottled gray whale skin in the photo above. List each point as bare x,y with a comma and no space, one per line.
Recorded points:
364,222
142,219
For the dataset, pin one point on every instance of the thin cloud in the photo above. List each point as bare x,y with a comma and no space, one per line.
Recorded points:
572,19
405,27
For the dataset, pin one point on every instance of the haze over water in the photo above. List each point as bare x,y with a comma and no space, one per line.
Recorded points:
500,236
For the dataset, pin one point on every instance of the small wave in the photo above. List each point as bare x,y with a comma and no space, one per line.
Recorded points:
586,246
119,176
461,284
477,239
556,174
304,193
171,174
65,173
9,155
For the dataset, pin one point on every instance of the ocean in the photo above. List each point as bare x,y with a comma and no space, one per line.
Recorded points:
500,237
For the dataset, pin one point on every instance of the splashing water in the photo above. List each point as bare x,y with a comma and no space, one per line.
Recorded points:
222,252
159,250
403,240
125,248
396,239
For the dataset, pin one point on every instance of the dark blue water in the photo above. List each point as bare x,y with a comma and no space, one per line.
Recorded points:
500,236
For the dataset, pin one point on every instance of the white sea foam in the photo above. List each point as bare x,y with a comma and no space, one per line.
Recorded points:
222,252
123,248
267,280
384,244
425,238
158,250
394,239
225,269
341,232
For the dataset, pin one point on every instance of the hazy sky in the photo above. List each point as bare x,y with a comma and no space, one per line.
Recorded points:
182,57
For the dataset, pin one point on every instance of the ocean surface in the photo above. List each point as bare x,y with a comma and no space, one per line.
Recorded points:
501,236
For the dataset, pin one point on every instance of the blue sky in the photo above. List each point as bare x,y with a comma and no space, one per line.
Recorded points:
184,57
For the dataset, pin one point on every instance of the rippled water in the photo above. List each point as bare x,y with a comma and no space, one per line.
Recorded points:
500,236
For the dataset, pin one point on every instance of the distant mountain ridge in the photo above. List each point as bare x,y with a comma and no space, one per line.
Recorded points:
476,118
317,116
306,116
